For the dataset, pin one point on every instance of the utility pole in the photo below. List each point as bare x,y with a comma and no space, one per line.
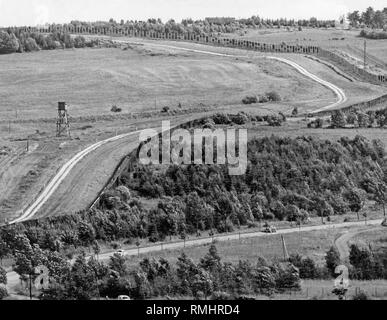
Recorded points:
365,53
285,250
30,285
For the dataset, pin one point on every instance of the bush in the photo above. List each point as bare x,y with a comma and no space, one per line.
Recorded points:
79,42
30,45
3,276
115,109
263,99
361,295
239,119
221,118
8,43
257,119
374,35
274,121
221,296
338,119
3,293
165,110
250,100
273,96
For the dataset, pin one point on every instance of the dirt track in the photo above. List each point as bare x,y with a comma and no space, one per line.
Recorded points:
342,242
13,277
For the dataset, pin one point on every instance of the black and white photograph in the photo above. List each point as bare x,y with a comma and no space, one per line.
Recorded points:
168,152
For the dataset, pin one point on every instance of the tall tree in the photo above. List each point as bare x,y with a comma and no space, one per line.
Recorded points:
381,196
332,259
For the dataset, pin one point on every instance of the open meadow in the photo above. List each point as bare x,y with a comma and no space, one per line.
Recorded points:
138,79
347,41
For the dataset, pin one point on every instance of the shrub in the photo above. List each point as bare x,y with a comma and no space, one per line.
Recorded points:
374,35
263,99
274,121
273,96
3,276
257,119
3,293
8,43
220,295
79,42
239,119
319,123
351,118
338,119
250,100
332,259
124,193
30,45
361,295
221,118
115,109
282,116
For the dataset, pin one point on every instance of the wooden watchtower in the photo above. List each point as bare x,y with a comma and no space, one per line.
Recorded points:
62,122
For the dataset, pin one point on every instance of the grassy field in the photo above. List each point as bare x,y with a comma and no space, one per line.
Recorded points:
138,79
376,239
322,290
313,244
299,128
141,78
335,39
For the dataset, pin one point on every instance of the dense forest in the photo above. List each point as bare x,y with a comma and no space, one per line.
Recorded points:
353,119
210,277
21,41
289,179
286,179
204,26
369,18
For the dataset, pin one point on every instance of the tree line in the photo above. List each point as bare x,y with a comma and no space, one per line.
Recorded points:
88,278
286,179
369,18
353,119
21,41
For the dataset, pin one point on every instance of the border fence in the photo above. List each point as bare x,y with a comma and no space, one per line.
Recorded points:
374,104
347,67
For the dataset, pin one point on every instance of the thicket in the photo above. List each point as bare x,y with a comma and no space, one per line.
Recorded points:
355,118
210,278
20,41
286,179
375,35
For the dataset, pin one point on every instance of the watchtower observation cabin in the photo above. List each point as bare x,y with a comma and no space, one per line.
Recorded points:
62,123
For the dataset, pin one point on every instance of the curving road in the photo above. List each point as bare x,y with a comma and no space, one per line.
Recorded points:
235,236
61,175
64,195
341,97
341,243
340,94
13,277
